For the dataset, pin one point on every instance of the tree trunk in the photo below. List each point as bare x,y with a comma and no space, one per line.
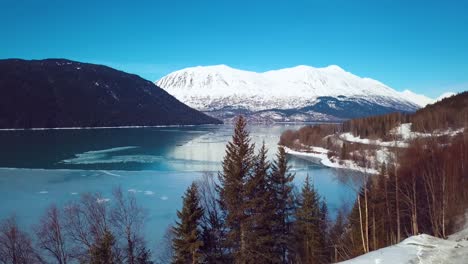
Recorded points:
397,202
361,225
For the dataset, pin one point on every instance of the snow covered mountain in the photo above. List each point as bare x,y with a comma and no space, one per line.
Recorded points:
419,99
301,93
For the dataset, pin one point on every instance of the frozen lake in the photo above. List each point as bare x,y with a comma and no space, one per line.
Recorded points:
41,167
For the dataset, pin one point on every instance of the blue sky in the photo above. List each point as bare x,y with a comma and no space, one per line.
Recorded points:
417,45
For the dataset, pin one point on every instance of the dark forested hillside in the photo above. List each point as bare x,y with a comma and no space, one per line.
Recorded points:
63,93
451,112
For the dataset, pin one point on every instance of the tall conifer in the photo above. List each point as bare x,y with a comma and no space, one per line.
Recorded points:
283,202
187,240
259,212
237,167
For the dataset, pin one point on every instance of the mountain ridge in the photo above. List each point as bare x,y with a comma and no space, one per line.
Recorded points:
58,93
217,87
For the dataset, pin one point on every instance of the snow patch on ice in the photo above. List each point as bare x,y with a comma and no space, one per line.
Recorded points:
102,200
110,173
107,156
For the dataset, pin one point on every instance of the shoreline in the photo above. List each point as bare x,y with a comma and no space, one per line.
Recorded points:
105,127
320,156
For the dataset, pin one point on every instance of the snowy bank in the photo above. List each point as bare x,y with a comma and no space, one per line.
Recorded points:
320,156
420,249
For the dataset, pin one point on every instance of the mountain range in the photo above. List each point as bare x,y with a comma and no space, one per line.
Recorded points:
301,93
57,93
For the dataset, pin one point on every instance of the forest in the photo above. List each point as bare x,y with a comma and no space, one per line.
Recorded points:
420,188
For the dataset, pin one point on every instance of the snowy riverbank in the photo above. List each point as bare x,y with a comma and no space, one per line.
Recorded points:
320,156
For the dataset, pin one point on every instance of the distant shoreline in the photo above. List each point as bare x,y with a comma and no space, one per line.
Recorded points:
88,128
156,126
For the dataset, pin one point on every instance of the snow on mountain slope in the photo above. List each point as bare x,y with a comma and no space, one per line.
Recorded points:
419,99
445,95
216,87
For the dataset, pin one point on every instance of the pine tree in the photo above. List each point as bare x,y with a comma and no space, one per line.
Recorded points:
187,241
237,167
283,202
307,227
324,238
259,212
102,252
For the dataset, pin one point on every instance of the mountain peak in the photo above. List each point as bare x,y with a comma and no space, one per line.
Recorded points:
335,68
419,99
214,87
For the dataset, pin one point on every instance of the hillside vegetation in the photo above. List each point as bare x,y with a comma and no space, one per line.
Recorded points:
420,162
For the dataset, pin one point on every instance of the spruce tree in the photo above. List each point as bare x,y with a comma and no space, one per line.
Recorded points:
307,225
187,240
102,252
280,180
259,212
237,167
324,238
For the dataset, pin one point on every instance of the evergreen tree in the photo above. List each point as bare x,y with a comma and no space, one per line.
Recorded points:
237,167
283,203
324,237
259,212
307,226
144,256
187,241
212,223
102,252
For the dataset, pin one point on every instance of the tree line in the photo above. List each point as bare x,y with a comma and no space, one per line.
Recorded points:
449,113
421,190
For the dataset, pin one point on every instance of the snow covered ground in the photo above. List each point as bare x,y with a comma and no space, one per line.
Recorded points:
383,154
351,138
319,155
422,249
403,132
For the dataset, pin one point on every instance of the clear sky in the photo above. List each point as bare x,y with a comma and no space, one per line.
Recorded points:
411,44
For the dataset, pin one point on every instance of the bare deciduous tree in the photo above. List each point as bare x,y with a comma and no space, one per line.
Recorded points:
165,253
51,236
128,219
86,221
15,245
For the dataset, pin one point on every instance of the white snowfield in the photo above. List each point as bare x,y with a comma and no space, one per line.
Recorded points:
214,87
422,249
